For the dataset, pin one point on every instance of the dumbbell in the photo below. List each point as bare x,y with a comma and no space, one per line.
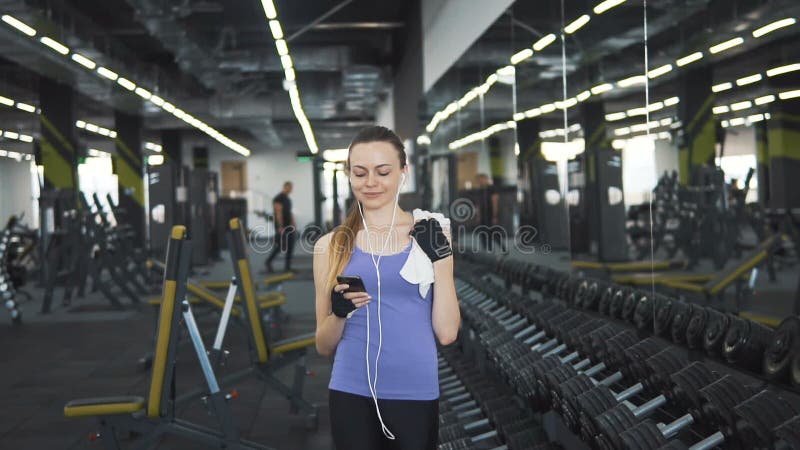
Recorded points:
753,425
460,431
604,302
716,328
611,424
787,435
681,317
785,343
665,311
744,344
586,294
581,396
592,404
695,330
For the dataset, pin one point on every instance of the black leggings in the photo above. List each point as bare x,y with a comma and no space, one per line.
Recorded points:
355,425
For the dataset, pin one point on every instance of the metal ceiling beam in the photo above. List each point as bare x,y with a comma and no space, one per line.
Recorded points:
318,20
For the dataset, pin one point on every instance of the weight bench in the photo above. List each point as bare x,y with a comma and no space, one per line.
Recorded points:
631,266
154,417
266,357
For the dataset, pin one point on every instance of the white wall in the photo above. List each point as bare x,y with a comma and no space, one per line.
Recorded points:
449,28
666,157
16,195
267,170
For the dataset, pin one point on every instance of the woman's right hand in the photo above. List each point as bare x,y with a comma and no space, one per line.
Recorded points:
345,303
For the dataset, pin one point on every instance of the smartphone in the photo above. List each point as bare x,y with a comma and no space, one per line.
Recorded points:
354,281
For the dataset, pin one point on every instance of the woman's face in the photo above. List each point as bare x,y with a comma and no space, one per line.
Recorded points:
375,173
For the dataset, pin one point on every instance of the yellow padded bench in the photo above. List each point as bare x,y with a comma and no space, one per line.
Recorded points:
103,406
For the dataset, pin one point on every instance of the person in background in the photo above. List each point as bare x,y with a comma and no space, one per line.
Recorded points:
285,227
488,214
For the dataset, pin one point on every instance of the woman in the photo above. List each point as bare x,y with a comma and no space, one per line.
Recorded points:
384,386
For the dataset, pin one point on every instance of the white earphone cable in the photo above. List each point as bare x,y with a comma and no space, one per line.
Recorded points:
373,386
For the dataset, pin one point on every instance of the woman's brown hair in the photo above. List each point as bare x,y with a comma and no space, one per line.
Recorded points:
344,236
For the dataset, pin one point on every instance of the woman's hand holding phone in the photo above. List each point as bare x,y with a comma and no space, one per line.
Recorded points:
344,303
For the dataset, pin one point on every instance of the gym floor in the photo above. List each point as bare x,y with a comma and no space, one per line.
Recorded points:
88,350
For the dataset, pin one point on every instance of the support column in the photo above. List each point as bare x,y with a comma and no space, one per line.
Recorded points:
316,176
200,157
602,197
496,161
762,163
129,169
699,125
545,207
783,150
58,146
171,146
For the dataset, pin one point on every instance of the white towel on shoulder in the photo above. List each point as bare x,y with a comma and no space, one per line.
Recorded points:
418,268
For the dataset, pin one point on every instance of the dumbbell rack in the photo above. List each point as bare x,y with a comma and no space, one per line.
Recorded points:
478,321
7,294
477,412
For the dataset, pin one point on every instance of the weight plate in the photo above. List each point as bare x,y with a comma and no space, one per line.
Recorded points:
785,343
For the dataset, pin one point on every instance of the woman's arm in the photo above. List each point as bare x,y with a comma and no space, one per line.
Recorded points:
329,326
446,316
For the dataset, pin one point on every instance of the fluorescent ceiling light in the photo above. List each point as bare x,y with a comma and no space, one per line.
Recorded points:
506,71
577,24
665,121
789,94
639,127
19,25
655,106
289,74
725,124
737,121
168,107
722,46
156,100
6,101
126,83
721,87
548,108
92,127
55,45
84,61
280,44
103,131
671,101
107,73
491,79
286,62
521,55
583,96
720,109
144,93
657,72
26,107
688,59
622,131
80,124
338,154
10,134
155,160
749,80
758,32
782,69
630,81
423,140
533,112
764,100
269,9
637,112
518,116
600,88
606,5
616,116
756,118
741,105
544,42
25,138
275,28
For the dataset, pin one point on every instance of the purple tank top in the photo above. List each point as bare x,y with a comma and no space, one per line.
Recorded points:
408,367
